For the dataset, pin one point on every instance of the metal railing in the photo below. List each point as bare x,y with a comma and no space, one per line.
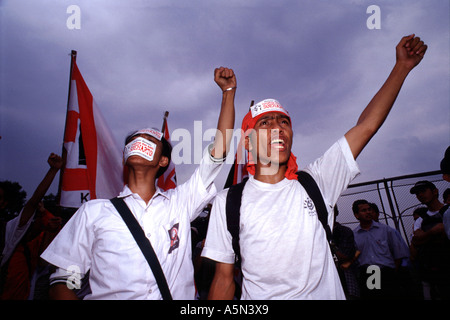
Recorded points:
393,198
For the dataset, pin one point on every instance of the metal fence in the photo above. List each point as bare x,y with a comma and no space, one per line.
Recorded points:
392,197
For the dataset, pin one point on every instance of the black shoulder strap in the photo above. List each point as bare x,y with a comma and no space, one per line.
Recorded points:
2,237
4,268
144,245
444,209
233,213
423,214
314,193
233,205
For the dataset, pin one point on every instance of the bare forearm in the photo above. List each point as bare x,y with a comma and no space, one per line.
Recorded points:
37,196
61,292
381,104
226,80
376,112
42,188
421,237
225,125
222,289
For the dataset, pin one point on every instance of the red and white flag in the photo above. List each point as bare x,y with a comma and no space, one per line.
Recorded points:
94,167
238,171
169,179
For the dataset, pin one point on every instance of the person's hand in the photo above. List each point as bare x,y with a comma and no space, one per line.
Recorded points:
225,78
410,51
55,161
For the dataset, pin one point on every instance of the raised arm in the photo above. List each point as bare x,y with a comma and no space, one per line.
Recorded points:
55,163
226,80
409,52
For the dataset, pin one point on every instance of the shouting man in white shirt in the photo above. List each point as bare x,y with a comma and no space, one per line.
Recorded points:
97,240
283,246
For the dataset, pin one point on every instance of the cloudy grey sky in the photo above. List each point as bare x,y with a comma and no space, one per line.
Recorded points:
140,58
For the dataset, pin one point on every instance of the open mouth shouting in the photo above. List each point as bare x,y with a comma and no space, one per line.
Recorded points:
278,144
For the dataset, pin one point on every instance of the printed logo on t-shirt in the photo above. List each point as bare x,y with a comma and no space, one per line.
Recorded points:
174,240
309,205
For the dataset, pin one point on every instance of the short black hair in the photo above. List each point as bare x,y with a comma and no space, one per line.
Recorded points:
446,193
355,206
166,151
374,207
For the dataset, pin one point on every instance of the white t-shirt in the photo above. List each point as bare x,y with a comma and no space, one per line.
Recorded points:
13,235
97,239
285,253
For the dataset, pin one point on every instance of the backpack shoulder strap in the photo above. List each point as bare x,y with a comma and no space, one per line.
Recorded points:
444,209
310,185
233,205
144,245
233,213
2,237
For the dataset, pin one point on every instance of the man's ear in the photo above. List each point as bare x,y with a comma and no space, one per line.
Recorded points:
163,162
436,192
248,144
446,176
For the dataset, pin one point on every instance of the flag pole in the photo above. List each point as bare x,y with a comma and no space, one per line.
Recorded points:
230,178
73,58
166,115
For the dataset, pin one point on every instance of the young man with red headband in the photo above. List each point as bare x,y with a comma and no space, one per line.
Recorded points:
283,246
96,239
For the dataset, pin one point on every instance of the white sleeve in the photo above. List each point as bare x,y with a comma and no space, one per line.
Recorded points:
417,224
209,168
199,189
72,277
218,244
333,173
13,235
71,249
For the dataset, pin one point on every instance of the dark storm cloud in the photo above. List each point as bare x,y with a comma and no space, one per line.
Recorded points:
140,58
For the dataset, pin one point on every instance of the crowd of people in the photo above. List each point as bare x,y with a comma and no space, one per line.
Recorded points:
24,237
188,246
417,271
